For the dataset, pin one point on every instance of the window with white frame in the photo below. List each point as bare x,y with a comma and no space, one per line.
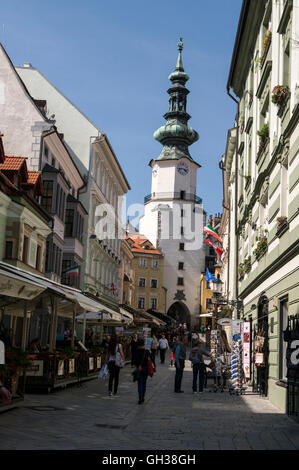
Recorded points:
154,283
141,282
153,303
143,262
141,302
155,263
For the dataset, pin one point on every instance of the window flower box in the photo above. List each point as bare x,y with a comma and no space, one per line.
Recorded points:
279,94
282,226
241,271
247,264
266,43
264,138
261,249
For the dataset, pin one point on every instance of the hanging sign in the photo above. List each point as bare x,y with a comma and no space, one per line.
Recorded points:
236,329
36,369
246,348
225,321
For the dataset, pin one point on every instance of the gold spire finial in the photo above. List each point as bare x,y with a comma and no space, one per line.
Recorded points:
180,44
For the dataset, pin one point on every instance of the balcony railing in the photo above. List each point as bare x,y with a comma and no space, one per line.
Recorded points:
176,195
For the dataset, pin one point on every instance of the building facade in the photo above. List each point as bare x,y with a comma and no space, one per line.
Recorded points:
173,207
27,128
148,292
262,162
105,184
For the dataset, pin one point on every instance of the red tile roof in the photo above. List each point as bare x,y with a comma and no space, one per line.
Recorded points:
12,163
139,243
33,177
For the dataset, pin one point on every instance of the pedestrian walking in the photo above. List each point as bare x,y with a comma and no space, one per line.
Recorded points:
195,337
154,348
133,346
163,346
142,358
179,361
198,365
173,346
115,359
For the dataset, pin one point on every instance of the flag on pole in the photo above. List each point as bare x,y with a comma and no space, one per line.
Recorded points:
217,248
113,289
209,229
209,276
72,271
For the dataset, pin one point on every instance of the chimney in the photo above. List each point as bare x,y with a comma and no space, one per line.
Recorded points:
27,65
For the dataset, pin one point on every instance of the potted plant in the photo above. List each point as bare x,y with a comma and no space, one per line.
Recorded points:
267,39
241,271
281,221
279,94
261,248
263,134
247,264
266,43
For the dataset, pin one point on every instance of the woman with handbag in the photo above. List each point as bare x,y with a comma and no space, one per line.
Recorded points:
115,358
144,368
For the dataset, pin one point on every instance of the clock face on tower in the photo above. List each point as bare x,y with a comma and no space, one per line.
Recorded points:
183,168
155,170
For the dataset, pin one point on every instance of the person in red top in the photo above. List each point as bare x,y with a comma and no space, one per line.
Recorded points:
141,361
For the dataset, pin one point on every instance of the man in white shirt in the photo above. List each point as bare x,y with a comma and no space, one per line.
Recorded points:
163,346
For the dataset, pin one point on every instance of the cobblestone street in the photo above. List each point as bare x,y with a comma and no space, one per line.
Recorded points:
84,417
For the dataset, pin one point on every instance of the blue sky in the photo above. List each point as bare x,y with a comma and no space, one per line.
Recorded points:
112,59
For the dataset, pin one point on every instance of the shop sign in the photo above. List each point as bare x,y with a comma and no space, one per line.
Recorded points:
225,321
245,330
236,329
36,369
259,358
99,362
91,363
60,368
71,366
2,353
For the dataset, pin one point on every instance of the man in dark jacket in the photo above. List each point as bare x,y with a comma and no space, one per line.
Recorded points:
179,362
197,359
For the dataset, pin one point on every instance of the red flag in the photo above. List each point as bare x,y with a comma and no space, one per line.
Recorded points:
113,289
217,248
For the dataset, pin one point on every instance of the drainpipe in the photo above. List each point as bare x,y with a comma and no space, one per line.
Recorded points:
236,202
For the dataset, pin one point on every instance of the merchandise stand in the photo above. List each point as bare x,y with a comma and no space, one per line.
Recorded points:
218,366
237,368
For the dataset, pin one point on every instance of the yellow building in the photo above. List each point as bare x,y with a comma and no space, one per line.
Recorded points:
146,287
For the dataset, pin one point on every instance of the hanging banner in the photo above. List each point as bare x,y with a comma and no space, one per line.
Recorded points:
236,329
246,348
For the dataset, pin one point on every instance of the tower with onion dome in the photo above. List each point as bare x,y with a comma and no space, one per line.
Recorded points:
173,213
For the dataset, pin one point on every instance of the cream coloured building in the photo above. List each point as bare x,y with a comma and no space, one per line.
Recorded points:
262,164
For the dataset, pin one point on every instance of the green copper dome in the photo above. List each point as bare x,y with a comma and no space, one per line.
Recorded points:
176,135
178,130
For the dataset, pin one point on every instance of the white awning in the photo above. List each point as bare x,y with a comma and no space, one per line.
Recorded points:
14,285
74,295
126,313
98,316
